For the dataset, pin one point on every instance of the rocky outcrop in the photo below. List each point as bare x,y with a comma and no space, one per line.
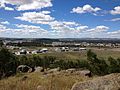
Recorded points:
38,69
108,82
79,72
84,73
24,68
54,70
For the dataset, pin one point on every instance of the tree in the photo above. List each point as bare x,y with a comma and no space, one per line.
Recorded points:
114,66
96,65
1,43
91,56
8,62
82,64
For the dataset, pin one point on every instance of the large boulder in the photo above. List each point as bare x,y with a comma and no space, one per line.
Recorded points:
84,73
54,70
38,69
108,82
71,70
24,68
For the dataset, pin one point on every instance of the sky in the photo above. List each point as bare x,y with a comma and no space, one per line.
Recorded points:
60,18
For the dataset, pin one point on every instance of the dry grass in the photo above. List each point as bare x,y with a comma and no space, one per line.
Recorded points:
34,80
82,55
107,53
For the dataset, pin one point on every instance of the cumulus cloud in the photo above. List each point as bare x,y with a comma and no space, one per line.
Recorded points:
82,28
30,28
2,5
5,22
9,8
114,32
36,17
22,5
75,29
35,4
46,12
62,25
18,2
114,19
23,31
27,26
67,28
2,28
59,28
85,9
70,23
115,11
98,29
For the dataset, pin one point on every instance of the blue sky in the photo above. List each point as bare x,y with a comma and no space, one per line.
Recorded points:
60,18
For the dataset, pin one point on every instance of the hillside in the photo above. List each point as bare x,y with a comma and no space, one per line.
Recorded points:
60,81
34,81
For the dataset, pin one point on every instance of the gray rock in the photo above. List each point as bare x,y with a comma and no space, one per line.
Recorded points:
24,68
71,70
38,69
84,73
53,70
108,82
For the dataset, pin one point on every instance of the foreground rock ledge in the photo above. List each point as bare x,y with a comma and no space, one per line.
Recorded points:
108,82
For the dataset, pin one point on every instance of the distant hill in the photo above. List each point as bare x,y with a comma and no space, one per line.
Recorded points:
77,40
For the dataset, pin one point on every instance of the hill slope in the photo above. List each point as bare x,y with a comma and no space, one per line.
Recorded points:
108,82
60,81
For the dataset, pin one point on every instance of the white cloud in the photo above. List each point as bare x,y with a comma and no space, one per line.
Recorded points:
46,12
2,5
78,31
36,17
18,2
114,32
35,4
59,29
115,11
85,9
2,28
22,5
67,29
9,8
23,31
98,29
72,29
5,22
82,28
70,23
29,28
62,25
114,19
